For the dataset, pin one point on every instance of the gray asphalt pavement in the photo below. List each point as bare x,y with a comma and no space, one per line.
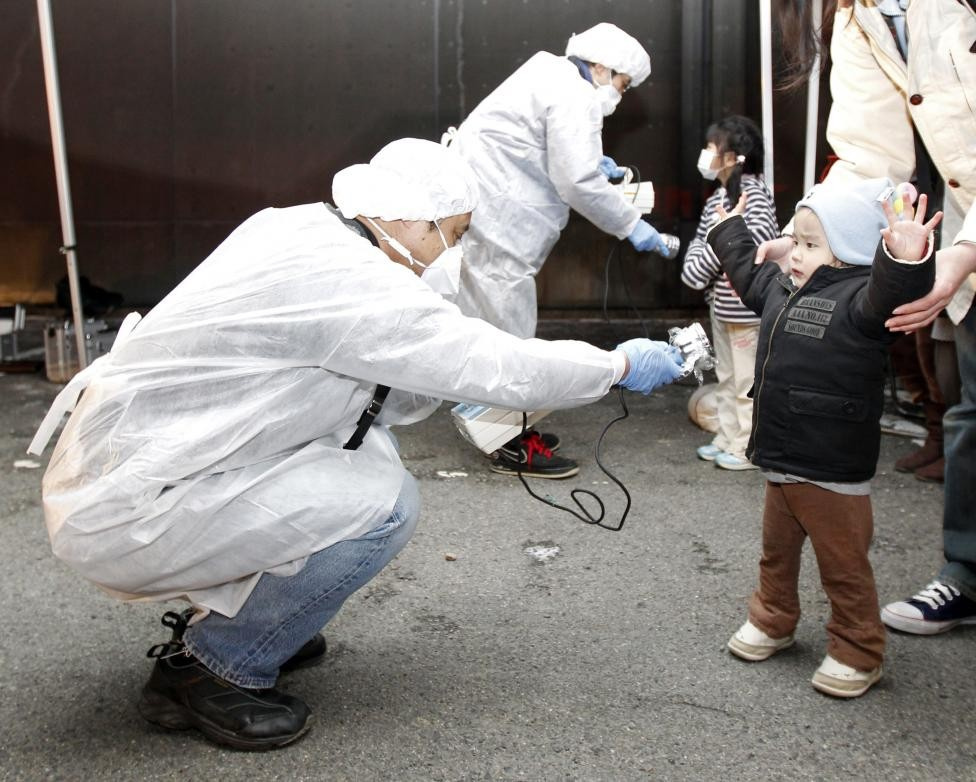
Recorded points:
509,641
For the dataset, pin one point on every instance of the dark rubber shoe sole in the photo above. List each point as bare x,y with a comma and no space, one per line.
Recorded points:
311,654
161,711
501,469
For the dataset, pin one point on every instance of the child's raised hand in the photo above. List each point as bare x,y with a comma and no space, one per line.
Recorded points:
738,209
908,238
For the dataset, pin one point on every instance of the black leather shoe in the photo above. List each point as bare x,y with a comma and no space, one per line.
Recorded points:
182,693
310,654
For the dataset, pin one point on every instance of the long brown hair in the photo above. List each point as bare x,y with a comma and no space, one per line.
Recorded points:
801,43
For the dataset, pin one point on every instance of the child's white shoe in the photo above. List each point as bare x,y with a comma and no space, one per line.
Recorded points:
842,681
751,643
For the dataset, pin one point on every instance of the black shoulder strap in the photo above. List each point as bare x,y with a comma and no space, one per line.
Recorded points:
379,397
366,419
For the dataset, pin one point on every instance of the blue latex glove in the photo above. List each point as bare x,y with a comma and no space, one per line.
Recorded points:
645,238
652,364
609,168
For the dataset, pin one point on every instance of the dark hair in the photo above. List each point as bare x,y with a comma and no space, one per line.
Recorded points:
800,39
741,136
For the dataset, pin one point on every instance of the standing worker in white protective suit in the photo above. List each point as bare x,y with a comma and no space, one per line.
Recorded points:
224,452
536,149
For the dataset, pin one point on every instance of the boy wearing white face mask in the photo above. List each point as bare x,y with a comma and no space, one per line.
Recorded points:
733,156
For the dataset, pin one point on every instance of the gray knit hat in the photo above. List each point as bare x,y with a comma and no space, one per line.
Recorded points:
852,217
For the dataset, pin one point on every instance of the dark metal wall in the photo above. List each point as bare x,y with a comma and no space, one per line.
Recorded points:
184,117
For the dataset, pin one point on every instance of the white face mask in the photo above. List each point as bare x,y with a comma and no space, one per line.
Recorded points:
444,273
705,159
608,96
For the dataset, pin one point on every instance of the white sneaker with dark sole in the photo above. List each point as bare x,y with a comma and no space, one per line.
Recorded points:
751,643
842,681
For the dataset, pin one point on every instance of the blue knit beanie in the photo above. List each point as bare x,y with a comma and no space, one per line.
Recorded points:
852,217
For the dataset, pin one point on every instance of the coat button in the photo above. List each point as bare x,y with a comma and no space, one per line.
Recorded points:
915,99
953,183
849,408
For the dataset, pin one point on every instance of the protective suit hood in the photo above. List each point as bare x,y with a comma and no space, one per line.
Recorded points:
409,179
608,45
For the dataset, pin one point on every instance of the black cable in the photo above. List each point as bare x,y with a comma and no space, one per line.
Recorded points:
623,277
586,517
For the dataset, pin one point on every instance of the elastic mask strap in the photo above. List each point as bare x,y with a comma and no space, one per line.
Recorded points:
396,245
441,234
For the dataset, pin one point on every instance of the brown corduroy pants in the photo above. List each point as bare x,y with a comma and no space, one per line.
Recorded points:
840,527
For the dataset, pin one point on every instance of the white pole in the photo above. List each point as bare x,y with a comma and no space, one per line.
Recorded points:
813,106
61,170
766,86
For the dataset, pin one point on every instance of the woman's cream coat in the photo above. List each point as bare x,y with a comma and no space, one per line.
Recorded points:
877,97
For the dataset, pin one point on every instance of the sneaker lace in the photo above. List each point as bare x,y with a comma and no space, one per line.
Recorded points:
166,650
177,622
533,444
937,594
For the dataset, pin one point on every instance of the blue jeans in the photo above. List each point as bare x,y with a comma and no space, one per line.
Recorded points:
283,613
959,518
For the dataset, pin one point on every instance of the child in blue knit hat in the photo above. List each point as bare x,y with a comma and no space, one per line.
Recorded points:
818,395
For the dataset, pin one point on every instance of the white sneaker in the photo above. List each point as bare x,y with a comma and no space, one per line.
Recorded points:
842,681
708,452
729,461
751,643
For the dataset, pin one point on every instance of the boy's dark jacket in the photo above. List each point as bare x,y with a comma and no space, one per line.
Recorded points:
819,383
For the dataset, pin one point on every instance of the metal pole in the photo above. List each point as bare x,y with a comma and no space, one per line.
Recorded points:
61,170
813,106
766,86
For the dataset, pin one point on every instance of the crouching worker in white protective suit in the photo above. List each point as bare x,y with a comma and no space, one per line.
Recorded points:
536,149
222,453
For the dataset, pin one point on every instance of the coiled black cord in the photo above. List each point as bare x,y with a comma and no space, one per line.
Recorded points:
584,515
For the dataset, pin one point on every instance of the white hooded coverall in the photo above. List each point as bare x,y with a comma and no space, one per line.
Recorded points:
535,146
207,447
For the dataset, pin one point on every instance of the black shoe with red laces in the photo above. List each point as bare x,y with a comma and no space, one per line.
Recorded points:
530,456
549,440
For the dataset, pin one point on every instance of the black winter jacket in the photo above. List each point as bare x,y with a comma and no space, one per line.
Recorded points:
820,364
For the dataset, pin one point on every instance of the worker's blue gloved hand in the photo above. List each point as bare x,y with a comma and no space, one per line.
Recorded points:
645,238
652,364
609,168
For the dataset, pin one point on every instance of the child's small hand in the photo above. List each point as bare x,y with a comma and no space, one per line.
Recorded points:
739,209
908,238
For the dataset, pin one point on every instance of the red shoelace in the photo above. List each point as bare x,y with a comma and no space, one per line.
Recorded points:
533,444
